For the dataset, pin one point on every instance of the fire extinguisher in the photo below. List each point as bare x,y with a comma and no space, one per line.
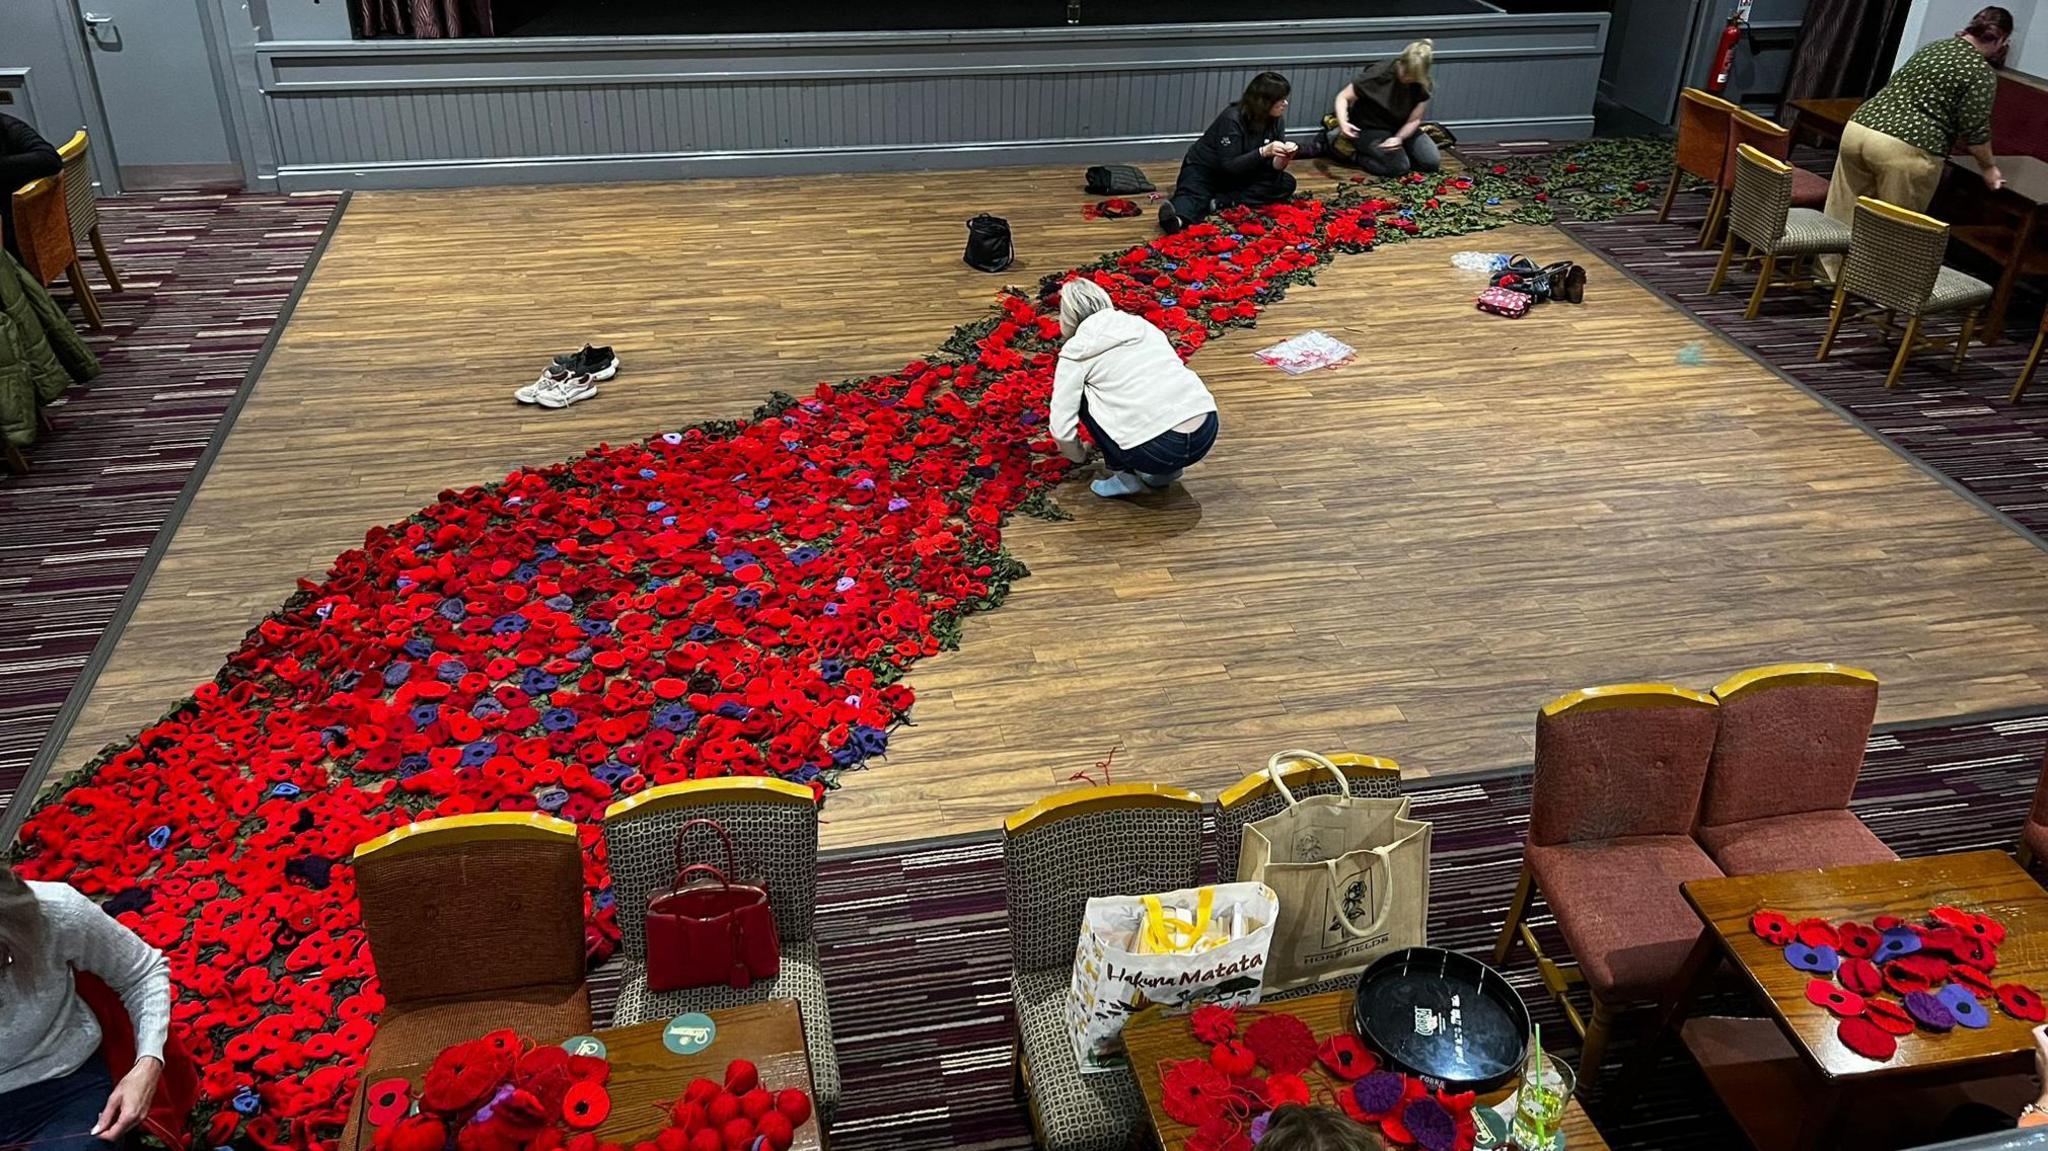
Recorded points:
1724,57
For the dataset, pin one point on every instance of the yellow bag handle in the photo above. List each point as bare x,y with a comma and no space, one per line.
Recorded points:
1165,935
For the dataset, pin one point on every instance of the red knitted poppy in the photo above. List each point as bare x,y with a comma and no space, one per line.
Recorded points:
1282,1089
1816,933
1194,1092
1977,981
1866,1039
1772,927
1233,1058
1839,1000
462,1076
1346,1056
1282,1042
1888,1015
1858,941
2022,1002
1861,976
1220,1134
586,1106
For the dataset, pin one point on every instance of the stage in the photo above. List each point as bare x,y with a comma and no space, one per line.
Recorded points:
1405,556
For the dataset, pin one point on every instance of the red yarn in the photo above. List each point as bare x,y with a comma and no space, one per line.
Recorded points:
1282,1089
1346,1057
1213,1024
1194,1092
1233,1058
1219,1134
1282,1042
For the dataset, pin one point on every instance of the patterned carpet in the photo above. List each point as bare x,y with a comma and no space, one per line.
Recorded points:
1959,426
206,274
916,949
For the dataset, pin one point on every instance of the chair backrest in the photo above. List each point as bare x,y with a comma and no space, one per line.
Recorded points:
1703,121
469,905
1766,136
1762,198
774,828
1070,847
1623,760
1894,255
1254,797
1791,740
42,229
2038,813
77,176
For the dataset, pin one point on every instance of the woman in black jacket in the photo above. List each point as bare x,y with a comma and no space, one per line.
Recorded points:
24,158
1241,159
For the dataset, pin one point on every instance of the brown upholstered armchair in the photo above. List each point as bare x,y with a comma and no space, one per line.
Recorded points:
1786,760
475,923
1747,129
42,226
1702,149
1615,794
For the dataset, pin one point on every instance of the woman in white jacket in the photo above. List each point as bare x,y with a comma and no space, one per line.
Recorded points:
1120,376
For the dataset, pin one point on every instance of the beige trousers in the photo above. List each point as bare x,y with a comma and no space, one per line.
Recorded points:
1885,167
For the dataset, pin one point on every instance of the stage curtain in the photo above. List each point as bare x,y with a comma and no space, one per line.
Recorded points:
1845,48
424,19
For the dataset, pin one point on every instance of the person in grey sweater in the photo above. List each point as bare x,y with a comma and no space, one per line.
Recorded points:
55,1091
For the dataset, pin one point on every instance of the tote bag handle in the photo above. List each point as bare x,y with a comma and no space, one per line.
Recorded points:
1166,935
1312,759
731,860
1383,860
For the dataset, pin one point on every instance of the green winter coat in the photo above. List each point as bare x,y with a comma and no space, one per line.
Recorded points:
40,353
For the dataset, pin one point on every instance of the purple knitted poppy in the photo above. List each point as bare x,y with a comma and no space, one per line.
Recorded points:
1378,1092
1432,1126
1929,1012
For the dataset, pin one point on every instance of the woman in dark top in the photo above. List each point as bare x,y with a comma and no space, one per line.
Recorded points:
1377,121
1241,159
25,157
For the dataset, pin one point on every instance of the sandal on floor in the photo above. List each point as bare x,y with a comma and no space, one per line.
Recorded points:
1522,275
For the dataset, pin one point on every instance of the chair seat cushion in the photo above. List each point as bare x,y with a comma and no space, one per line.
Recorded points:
1618,904
1793,843
420,1032
1075,1112
1809,189
1809,233
1954,291
799,978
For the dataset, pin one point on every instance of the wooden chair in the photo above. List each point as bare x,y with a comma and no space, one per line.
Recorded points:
85,208
475,922
2019,386
1703,121
1786,759
1254,797
1764,219
1894,263
42,227
1117,839
774,826
2033,845
1809,190
1615,794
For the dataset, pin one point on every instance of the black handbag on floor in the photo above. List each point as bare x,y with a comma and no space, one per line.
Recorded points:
1117,180
988,244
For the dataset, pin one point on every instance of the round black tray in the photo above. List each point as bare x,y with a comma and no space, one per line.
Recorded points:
1444,1016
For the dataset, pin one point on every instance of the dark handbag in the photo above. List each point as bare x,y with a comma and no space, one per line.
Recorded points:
713,932
1117,180
988,244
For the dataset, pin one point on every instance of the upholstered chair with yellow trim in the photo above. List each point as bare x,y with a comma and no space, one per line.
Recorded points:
1786,759
1766,222
42,229
1614,797
774,827
1117,839
83,207
475,923
1894,265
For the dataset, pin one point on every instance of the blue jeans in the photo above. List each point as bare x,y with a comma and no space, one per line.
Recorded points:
1169,451
58,1114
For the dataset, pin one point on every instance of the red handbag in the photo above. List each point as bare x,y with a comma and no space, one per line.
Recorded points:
713,931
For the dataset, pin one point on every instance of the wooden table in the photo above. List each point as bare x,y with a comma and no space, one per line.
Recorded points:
646,1076
1988,882
1823,119
2003,225
1153,1038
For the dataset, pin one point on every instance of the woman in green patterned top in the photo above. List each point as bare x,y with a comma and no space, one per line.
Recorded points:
1893,147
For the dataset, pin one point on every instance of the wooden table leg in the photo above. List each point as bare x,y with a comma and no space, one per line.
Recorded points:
1994,315
1820,1126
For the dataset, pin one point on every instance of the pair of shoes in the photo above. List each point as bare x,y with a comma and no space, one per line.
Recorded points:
1117,484
1567,282
1522,275
1162,480
1169,220
571,379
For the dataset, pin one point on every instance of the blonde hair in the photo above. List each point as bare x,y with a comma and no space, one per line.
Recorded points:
1080,299
1416,60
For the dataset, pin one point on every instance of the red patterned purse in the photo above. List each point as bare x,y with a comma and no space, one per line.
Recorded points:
700,934
1503,302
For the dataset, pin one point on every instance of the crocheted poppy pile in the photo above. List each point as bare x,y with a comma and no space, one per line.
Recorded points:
1938,972
1226,1098
738,598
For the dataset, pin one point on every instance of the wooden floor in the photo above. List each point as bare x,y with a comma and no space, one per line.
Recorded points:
1405,556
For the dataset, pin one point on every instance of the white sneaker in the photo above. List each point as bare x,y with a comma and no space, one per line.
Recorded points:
531,393
565,392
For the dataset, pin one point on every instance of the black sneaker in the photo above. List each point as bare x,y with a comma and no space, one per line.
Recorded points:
597,363
1169,220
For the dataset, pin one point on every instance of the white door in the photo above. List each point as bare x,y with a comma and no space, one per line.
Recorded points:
162,101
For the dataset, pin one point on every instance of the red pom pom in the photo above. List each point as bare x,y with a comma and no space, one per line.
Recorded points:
1282,1043
778,1130
1867,1039
701,1091
670,1139
1772,927
756,1103
1816,933
723,1108
1233,1058
794,1105
1888,1015
1283,1089
421,1132
737,1134
1861,976
1838,1000
687,1115
1858,941
707,1139
1213,1024
741,1076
